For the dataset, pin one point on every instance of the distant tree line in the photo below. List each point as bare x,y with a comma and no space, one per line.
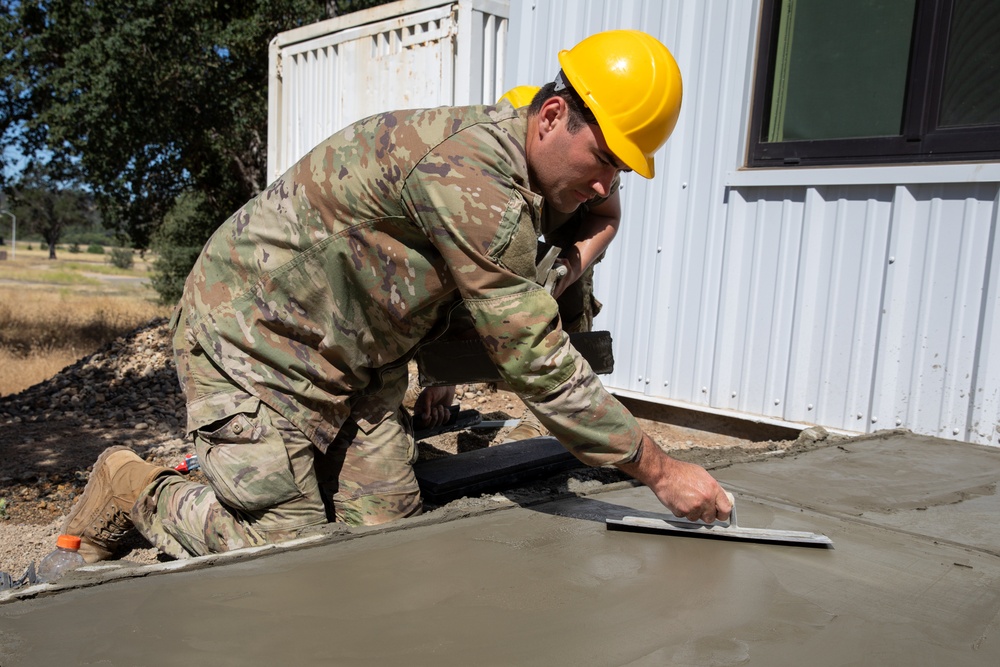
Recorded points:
150,114
47,209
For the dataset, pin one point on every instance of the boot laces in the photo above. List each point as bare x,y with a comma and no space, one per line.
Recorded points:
115,525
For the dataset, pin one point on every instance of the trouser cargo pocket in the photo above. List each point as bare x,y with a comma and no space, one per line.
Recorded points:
245,459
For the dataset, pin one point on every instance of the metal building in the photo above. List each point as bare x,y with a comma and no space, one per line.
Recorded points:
859,298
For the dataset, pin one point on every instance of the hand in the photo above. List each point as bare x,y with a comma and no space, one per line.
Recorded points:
685,489
692,493
573,273
431,407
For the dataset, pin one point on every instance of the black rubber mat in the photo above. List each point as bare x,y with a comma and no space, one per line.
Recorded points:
492,469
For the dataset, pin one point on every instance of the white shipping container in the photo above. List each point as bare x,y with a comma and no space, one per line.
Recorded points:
402,55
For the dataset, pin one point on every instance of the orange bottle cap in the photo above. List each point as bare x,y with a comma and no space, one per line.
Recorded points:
68,542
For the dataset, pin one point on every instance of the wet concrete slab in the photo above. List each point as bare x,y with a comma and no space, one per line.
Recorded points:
908,582
931,487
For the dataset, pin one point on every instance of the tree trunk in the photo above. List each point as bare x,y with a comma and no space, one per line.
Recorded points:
52,250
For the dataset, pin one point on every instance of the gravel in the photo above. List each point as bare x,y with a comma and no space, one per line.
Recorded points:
51,434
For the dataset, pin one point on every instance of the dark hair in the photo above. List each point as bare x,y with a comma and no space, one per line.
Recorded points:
579,114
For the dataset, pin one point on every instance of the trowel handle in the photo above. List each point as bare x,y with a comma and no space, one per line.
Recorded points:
732,513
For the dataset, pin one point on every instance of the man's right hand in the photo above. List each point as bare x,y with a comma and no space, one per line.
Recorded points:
685,489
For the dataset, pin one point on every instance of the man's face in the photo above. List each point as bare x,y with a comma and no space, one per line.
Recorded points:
569,168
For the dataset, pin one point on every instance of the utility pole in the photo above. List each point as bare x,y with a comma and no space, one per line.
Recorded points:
13,233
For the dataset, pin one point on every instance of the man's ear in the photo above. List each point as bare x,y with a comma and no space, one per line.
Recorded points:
552,113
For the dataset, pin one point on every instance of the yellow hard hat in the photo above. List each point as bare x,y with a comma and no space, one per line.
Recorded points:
632,84
520,96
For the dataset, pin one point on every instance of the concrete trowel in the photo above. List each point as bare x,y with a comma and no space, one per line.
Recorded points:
725,530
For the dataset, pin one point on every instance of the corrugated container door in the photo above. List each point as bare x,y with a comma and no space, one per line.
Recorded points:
402,55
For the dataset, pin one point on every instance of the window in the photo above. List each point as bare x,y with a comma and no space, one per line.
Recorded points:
876,81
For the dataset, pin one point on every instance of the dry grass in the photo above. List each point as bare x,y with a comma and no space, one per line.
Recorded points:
17,372
43,331
52,314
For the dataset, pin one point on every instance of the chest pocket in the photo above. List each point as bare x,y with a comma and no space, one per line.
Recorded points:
516,241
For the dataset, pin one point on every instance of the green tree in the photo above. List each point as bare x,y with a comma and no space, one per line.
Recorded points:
47,206
149,98
154,102
341,7
177,243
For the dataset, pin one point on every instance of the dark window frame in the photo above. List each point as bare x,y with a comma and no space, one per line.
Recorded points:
921,139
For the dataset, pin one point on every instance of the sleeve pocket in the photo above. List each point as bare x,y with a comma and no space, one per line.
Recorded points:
516,241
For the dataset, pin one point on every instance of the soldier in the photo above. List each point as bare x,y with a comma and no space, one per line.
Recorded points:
299,317
581,237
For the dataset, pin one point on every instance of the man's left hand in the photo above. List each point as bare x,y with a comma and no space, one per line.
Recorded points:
431,407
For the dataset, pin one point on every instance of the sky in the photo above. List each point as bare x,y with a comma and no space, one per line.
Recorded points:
13,162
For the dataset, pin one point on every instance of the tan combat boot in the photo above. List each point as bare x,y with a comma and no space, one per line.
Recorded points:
101,517
529,427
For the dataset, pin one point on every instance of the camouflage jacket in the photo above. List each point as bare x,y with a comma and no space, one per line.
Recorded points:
325,284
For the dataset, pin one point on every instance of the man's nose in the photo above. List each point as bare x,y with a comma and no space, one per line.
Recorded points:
602,184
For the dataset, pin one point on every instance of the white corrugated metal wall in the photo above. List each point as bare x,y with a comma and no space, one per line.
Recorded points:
856,298
404,55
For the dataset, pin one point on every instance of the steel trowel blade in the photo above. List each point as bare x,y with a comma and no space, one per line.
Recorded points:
731,532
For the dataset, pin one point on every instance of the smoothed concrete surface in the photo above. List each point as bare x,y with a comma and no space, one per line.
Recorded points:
931,487
549,585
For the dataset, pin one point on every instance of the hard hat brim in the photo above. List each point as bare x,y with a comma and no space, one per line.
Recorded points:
626,151
623,149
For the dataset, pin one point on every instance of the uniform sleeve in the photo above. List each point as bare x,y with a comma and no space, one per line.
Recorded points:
478,218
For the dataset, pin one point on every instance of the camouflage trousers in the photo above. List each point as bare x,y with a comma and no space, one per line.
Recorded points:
268,483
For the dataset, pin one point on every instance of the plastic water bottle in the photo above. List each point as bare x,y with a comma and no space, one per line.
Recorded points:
65,558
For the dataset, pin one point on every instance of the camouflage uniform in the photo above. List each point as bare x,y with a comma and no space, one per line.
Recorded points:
300,315
577,304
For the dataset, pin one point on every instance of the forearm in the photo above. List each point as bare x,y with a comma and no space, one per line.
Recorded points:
593,228
596,235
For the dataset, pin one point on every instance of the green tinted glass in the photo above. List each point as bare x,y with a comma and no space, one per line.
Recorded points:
841,68
972,71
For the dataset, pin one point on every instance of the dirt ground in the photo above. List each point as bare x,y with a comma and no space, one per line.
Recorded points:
126,394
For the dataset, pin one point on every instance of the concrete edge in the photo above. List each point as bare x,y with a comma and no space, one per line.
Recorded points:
109,571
